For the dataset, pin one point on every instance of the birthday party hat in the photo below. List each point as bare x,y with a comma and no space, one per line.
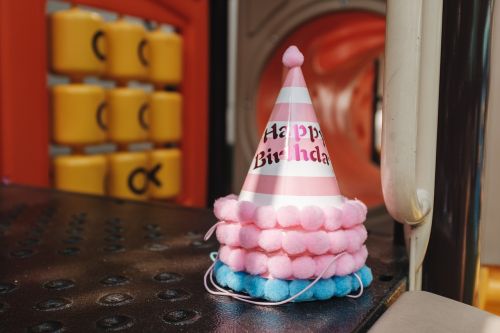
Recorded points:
291,165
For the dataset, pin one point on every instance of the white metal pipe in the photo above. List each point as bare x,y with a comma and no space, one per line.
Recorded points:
411,93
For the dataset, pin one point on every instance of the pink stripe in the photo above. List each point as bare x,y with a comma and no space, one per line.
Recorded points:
293,112
291,185
294,78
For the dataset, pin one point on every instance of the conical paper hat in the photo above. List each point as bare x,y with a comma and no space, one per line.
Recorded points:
292,165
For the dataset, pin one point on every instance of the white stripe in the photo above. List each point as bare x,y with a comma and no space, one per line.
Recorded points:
293,95
294,168
279,200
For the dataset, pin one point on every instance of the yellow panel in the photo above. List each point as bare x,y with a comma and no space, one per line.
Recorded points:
77,42
79,114
165,57
128,115
165,117
125,47
165,173
488,289
128,175
80,173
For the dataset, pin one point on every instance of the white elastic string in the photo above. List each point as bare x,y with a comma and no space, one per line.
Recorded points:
360,289
210,231
245,298
221,292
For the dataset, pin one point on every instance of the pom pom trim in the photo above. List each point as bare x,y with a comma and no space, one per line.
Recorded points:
349,214
257,286
350,263
233,234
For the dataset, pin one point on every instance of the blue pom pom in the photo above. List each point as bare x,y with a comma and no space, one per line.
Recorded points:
343,285
221,275
296,286
366,275
235,281
254,285
218,264
276,290
324,289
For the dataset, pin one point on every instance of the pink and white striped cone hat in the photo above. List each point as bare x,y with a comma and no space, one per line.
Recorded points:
292,165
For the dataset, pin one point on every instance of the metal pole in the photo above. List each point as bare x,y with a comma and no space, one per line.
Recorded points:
451,264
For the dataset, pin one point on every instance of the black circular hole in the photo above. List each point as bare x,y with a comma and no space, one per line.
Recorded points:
74,230
7,287
50,326
154,236
59,284
113,248
115,323
385,278
73,239
29,241
115,299
114,238
167,277
151,226
114,221
114,229
194,234
201,244
76,223
22,253
173,295
3,307
115,280
181,317
53,304
156,247
69,251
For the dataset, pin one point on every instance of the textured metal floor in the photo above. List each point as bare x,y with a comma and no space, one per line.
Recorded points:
75,263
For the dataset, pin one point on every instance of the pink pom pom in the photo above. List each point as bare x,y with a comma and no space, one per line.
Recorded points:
303,267
224,253
218,204
333,218
226,209
338,241
288,216
322,262
317,242
350,215
280,267
294,242
233,234
360,258
292,57
312,217
362,208
265,217
236,260
256,263
270,240
246,210
362,232
353,240
249,236
345,265
220,233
